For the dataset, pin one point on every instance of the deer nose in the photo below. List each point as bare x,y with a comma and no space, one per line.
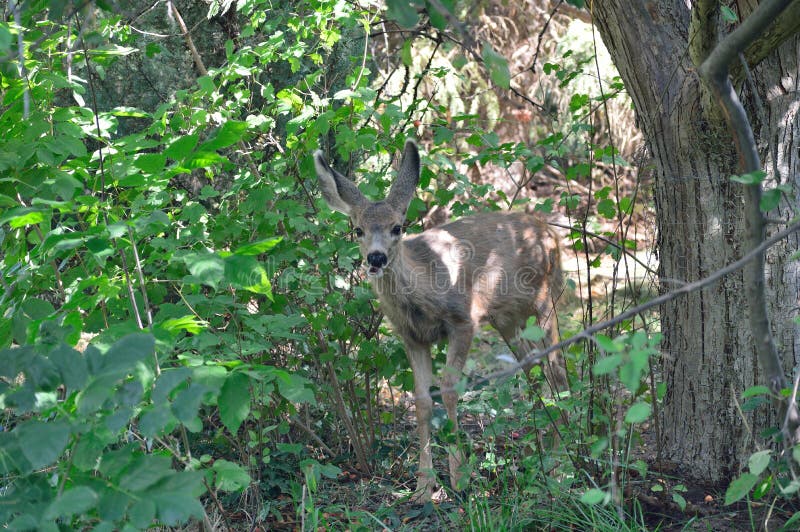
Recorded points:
378,259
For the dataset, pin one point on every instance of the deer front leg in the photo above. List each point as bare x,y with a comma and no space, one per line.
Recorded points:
459,341
421,365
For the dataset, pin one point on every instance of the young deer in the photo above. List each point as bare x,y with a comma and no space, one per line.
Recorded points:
496,268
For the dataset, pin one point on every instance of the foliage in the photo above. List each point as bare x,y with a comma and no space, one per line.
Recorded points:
183,324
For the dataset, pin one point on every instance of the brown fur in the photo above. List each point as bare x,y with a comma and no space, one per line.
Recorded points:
444,283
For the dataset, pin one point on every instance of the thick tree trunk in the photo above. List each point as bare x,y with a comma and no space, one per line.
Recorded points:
708,354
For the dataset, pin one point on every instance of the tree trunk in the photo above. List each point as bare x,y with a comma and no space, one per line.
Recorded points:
708,353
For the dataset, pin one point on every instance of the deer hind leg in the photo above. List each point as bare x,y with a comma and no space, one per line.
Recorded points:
459,341
421,365
555,367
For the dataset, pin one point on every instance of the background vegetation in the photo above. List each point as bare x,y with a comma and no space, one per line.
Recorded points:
185,332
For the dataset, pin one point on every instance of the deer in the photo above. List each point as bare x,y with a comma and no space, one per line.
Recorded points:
445,283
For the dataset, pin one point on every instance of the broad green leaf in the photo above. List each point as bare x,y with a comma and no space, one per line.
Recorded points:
151,163
404,12
112,504
38,309
294,388
244,271
203,159
740,487
207,268
607,364
156,420
234,401
231,132
755,390
146,470
497,66
142,513
759,461
259,247
230,476
753,178
770,199
123,355
763,487
678,499
181,147
191,324
594,496
24,216
42,442
607,208
72,366
607,344
729,14
405,53
186,405
637,413
439,19
75,501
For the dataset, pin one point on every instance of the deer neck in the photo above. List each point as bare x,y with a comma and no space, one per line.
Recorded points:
396,278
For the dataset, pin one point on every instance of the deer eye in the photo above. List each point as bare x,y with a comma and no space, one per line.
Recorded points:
396,230
359,232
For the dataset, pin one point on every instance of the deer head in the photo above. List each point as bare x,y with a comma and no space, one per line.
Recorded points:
377,225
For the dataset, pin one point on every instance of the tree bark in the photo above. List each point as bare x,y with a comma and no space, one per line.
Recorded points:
708,352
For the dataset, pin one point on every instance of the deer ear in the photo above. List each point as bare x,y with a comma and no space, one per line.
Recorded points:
340,193
405,185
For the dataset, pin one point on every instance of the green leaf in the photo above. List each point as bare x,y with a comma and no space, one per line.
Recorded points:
594,496
142,513
181,147
755,390
729,15
151,163
770,199
607,364
637,413
145,471
753,178
186,405
497,66
740,487
72,366
230,476
231,132
293,388
259,247
234,401
191,324
607,208
207,268
42,443
123,355
759,461
678,499
24,216
607,344
243,271
439,19
404,12
156,420
75,501
405,53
